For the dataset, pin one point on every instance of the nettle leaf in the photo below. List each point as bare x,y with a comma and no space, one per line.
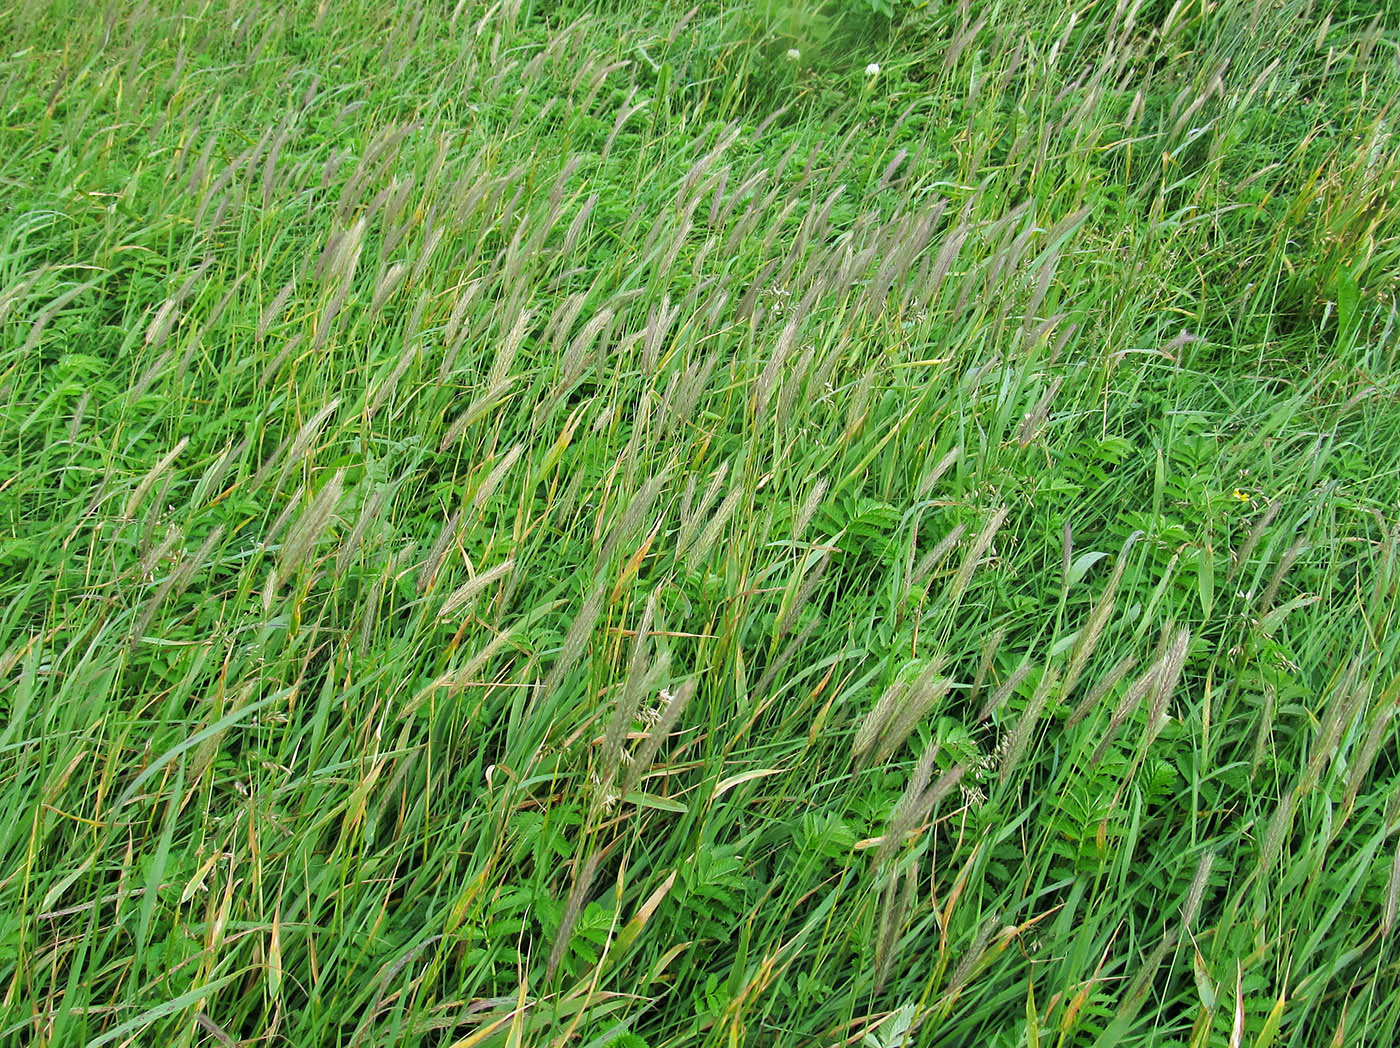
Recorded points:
827,835
595,923
625,1040
526,826
590,936
718,877
1160,778
957,742
866,526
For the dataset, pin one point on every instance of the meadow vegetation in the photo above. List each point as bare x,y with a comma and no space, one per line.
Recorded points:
586,524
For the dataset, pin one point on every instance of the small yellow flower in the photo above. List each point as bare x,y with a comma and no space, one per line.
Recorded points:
1243,496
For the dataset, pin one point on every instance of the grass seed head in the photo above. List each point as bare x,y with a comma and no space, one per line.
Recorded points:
1098,619
1008,687
974,953
809,507
447,535
1392,895
1131,698
979,546
984,665
1255,534
1197,893
312,525
920,697
1105,684
583,880
1026,724
1168,673
929,563
674,703
868,734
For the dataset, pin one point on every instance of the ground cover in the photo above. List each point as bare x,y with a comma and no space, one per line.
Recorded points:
622,524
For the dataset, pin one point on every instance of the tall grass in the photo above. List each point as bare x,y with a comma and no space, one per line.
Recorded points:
533,525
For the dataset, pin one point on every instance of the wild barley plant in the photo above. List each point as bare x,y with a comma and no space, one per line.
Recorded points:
896,897
1345,701
508,348
1004,691
1359,767
625,527
808,509
1263,731
1102,687
573,906
274,309
576,357
175,583
479,408
1391,905
921,696
931,560
576,639
1035,419
407,356
613,757
1280,825
1125,708
1098,619
312,525
389,280
698,552
447,535
973,557
868,734
674,703
973,955
147,482
493,479
916,802
1196,895
369,515
990,647
463,594
340,273
1142,982
810,573
1169,672
1026,724
273,369
763,689
1285,564
298,452
934,475
457,328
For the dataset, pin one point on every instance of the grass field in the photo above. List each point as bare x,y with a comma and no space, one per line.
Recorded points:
532,524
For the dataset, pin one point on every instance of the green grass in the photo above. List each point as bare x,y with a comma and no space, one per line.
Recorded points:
543,524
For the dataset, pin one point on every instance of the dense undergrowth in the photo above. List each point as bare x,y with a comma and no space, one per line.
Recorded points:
611,524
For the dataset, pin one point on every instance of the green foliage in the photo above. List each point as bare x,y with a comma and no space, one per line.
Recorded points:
646,524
